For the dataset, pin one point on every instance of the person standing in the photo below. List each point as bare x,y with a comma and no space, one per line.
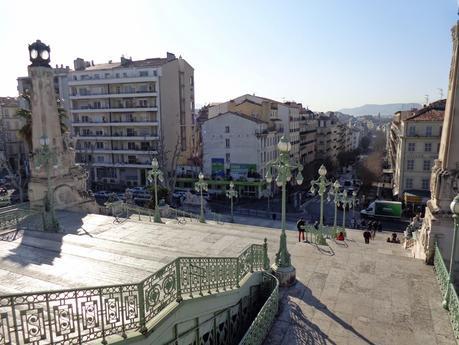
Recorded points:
374,226
300,224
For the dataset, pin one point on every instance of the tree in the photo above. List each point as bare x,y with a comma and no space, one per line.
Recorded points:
379,143
26,114
370,170
365,143
168,163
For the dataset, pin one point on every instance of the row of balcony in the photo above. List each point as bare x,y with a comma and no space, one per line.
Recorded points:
114,123
117,136
116,94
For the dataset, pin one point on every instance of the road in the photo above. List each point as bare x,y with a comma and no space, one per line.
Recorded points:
312,213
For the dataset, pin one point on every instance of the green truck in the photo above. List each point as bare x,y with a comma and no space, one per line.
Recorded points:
383,209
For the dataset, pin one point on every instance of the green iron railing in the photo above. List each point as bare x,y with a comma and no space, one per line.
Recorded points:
452,298
11,216
260,327
75,316
318,236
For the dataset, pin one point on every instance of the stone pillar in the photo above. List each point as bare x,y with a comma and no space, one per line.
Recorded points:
438,222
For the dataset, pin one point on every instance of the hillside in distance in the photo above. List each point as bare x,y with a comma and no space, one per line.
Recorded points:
383,109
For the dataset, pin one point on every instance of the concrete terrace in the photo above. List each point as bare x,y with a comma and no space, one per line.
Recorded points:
345,294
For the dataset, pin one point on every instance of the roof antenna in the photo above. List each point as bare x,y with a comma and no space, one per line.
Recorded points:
441,90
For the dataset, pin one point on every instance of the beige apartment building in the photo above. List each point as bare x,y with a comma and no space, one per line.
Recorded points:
12,146
125,113
308,136
284,117
414,142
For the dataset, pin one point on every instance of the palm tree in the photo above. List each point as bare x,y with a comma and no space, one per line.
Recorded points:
26,131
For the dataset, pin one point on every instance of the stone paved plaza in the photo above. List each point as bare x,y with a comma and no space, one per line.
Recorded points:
348,293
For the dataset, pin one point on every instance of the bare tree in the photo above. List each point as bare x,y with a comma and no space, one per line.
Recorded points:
168,162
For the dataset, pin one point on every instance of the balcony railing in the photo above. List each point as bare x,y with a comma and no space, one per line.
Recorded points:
105,93
105,107
93,121
139,135
86,314
452,298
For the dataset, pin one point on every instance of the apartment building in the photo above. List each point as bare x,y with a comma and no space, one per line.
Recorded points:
238,147
125,113
413,147
308,136
284,116
12,146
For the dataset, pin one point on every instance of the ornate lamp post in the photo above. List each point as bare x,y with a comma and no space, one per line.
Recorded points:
282,267
231,193
346,202
321,185
47,157
455,210
154,175
334,191
201,186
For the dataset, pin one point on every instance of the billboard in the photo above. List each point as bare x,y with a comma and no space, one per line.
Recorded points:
218,167
242,170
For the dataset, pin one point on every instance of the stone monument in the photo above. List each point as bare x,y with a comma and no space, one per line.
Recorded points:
438,222
56,181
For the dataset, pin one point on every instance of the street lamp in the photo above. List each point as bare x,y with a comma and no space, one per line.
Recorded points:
334,191
231,193
321,185
154,175
455,210
282,267
354,199
46,157
346,202
201,186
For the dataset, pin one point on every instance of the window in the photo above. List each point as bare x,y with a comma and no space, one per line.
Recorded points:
87,145
438,147
427,165
411,147
425,183
107,75
84,119
191,81
99,145
412,131
96,76
428,131
99,132
428,147
143,73
100,159
228,158
227,143
410,164
227,129
124,74
409,183
131,146
132,159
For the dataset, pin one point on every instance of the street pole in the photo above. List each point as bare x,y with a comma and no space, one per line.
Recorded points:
153,176
201,186
320,186
335,192
231,193
455,210
282,267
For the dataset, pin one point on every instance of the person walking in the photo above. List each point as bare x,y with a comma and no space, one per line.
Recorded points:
366,236
300,225
374,226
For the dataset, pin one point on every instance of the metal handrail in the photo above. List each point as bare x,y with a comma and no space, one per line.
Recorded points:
86,314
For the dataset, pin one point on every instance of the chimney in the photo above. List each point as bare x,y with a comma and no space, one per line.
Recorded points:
79,64
170,56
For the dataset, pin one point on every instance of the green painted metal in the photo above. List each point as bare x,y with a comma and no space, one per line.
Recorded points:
201,186
154,175
231,193
284,175
448,290
224,182
95,313
261,325
320,186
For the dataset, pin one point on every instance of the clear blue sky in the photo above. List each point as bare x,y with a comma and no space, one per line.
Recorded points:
327,54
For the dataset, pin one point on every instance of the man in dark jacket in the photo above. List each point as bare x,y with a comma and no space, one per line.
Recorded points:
300,227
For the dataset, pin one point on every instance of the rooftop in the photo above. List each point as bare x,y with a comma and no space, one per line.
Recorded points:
349,293
8,101
244,116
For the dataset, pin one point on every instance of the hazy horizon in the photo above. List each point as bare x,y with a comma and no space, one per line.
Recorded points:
327,55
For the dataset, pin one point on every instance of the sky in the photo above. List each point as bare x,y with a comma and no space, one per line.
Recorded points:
326,54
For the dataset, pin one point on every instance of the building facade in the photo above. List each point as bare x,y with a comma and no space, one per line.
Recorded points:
125,113
413,147
12,146
238,147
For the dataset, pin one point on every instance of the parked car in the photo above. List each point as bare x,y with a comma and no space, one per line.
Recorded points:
139,189
102,194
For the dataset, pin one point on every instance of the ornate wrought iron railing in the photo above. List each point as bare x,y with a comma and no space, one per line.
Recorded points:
261,325
452,298
11,216
75,316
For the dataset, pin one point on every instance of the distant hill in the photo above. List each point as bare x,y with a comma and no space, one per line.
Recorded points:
383,109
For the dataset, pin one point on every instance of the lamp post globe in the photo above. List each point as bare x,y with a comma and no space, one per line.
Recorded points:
454,206
284,145
322,170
